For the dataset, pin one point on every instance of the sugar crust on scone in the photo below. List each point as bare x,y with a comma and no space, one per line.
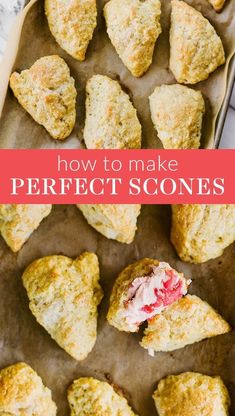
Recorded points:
18,221
64,295
217,4
133,27
111,119
47,92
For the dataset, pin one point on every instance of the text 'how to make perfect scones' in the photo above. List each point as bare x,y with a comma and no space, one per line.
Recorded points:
63,296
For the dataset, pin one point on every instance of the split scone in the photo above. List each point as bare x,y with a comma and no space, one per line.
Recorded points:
185,322
47,92
192,394
195,48
23,393
64,295
88,396
217,4
111,119
72,23
114,221
141,291
133,27
18,221
169,105
202,232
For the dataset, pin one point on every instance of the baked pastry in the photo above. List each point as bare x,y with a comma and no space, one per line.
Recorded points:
18,221
192,394
195,48
141,291
72,23
64,295
88,396
169,104
185,322
111,120
202,232
23,393
47,92
133,27
117,221
217,4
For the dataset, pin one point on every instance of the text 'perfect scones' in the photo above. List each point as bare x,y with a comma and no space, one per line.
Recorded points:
192,394
111,119
195,48
177,113
64,295
133,27
116,221
72,23
23,393
18,221
202,232
88,396
47,92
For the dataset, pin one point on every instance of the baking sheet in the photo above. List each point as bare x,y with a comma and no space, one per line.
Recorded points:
117,357
18,130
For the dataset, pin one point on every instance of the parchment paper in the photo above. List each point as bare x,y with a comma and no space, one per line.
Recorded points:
18,130
117,356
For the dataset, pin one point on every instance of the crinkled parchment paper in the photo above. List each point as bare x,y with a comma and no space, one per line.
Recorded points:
18,130
117,356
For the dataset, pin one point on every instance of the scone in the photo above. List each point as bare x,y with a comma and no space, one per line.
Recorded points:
186,321
217,4
18,221
141,291
111,120
88,396
192,394
117,221
23,393
195,48
47,92
64,295
169,105
133,27
72,23
202,232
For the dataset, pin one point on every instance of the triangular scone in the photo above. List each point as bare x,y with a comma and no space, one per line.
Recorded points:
47,92
72,23
192,394
23,393
169,104
111,119
217,4
143,290
185,322
64,295
133,27
202,232
195,48
88,396
18,221
116,221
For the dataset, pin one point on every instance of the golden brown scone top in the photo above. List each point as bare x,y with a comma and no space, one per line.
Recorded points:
64,295
195,48
72,23
202,232
169,105
18,221
111,119
47,92
114,221
192,394
88,396
23,393
217,4
133,27
186,321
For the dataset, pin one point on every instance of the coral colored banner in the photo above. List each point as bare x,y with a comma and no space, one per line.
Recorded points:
117,176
